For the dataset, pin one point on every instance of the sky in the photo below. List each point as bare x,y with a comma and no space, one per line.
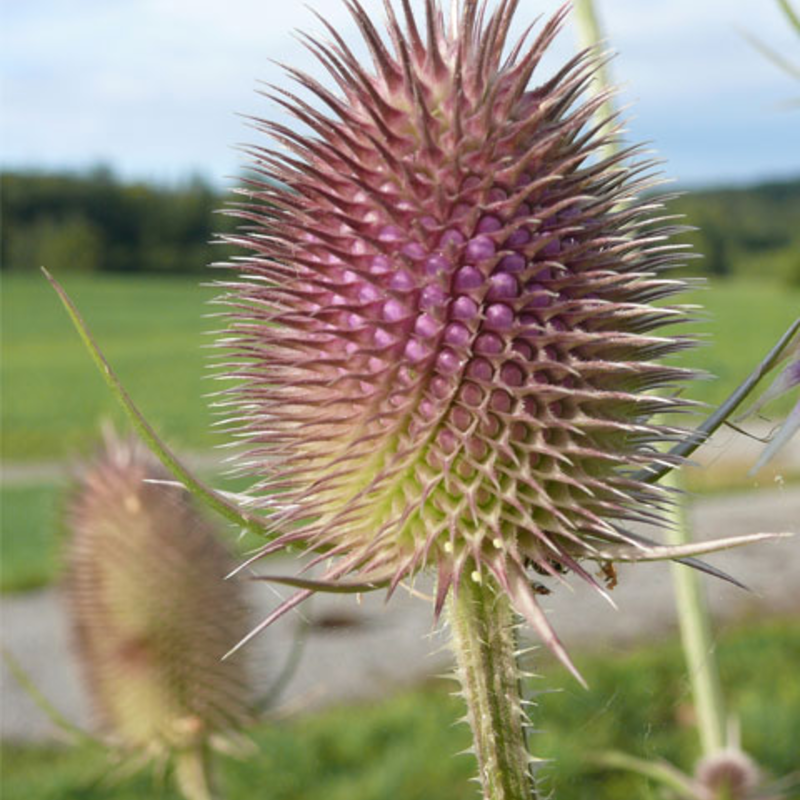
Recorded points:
159,90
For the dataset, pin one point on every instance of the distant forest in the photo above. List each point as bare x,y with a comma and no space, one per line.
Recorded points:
93,222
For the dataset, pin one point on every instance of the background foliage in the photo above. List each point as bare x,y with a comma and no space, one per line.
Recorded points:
403,746
92,223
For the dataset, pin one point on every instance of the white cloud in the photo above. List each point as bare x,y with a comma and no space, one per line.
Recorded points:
152,86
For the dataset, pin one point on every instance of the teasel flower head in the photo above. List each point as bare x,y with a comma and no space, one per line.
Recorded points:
152,613
443,337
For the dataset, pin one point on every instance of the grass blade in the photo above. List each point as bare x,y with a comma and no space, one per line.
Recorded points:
72,732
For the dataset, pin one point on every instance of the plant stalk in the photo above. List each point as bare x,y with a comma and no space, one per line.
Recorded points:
698,646
194,774
703,432
185,477
484,641
590,34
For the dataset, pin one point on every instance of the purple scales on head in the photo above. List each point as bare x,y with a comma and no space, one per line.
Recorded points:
480,248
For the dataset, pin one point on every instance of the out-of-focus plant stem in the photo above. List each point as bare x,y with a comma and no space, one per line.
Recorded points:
698,646
194,774
691,604
590,35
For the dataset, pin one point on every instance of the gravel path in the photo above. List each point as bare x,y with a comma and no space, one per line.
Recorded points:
364,648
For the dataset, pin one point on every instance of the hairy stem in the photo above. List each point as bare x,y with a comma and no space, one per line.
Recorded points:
698,645
482,623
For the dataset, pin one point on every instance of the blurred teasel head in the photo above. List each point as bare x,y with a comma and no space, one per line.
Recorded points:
152,613
728,775
443,335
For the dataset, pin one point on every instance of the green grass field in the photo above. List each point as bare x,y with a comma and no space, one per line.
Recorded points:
152,331
404,747
30,540
32,528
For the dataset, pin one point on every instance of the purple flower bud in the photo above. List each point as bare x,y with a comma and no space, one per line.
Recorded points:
480,248
502,286
437,263
465,308
452,238
394,311
489,224
390,233
512,263
468,278
499,317
432,297
457,334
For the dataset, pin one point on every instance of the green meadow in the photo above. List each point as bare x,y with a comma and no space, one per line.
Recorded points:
151,329
155,331
404,746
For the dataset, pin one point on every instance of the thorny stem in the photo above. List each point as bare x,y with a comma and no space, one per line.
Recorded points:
484,642
698,646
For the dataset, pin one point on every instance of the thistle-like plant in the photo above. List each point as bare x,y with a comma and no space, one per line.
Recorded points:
445,331
444,336
153,616
724,774
444,340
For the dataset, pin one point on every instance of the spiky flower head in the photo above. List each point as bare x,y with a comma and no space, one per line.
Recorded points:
443,334
152,612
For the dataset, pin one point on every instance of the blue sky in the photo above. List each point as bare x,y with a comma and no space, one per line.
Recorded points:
152,87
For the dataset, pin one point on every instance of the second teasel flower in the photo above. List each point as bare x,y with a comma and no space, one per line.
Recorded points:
153,614
445,329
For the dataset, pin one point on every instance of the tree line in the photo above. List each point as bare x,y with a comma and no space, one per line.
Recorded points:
93,222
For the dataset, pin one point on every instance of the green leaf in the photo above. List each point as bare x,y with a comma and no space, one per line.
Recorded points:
790,14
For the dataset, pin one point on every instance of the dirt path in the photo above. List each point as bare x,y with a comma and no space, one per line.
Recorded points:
362,649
